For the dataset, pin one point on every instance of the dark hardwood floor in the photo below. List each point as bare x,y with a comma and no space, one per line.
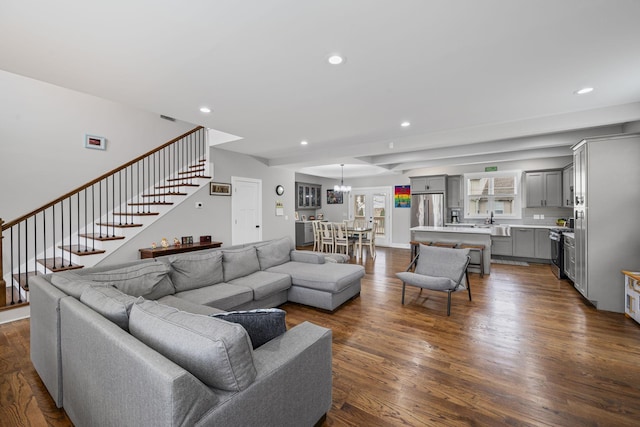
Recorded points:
527,351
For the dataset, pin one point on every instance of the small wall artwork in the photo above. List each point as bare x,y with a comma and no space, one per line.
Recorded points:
334,197
402,196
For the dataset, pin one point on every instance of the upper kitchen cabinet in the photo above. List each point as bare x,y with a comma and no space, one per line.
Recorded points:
454,191
428,184
544,188
567,186
308,196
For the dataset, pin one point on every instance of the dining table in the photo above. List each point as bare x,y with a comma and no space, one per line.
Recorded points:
359,232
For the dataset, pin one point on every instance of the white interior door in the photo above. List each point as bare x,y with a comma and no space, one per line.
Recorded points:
373,205
246,210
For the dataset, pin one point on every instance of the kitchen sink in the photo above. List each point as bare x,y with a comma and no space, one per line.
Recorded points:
497,229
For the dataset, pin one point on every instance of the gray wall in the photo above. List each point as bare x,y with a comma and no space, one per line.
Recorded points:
42,129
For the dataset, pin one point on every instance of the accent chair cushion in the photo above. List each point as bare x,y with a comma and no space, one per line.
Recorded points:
109,302
262,325
274,252
149,280
218,353
195,270
239,262
427,282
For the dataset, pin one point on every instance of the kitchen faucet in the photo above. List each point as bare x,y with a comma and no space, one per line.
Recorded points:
491,218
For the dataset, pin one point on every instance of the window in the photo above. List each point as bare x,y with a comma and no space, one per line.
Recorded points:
495,192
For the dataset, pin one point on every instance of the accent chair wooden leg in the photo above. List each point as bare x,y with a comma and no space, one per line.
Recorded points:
448,303
468,285
403,286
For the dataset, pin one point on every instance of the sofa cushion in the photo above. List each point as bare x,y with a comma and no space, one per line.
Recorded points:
149,280
109,302
195,270
264,283
188,306
331,278
73,284
223,296
262,325
274,252
239,262
218,353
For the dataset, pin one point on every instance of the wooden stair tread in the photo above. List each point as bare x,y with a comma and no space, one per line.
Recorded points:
81,250
111,224
150,203
16,304
23,279
58,264
136,213
102,238
198,169
188,177
164,194
160,187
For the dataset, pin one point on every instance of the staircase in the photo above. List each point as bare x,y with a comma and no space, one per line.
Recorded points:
82,227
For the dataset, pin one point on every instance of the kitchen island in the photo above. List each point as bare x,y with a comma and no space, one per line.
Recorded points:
459,235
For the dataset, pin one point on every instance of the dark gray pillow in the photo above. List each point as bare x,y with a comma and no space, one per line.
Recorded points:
274,253
196,270
262,325
149,280
239,263
109,302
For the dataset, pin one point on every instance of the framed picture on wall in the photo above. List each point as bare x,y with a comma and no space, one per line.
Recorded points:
334,197
219,189
95,142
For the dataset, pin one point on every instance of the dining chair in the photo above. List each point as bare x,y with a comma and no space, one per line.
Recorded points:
368,240
341,238
317,236
327,240
438,269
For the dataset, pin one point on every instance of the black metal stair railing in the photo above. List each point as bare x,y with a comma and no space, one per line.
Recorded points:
47,238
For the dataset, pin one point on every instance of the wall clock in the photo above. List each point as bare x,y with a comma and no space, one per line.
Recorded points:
279,190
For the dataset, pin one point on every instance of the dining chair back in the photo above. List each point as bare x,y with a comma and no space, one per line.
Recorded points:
341,238
327,239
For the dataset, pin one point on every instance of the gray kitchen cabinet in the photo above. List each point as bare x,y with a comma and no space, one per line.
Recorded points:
454,191
544,188
542,244
428,184
501,245
304,233
567,186
308,196
569,257
523,242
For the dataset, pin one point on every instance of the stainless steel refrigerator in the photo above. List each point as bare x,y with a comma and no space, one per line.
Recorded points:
427,209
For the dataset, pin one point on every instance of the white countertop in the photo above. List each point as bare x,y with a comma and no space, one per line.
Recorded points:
466,230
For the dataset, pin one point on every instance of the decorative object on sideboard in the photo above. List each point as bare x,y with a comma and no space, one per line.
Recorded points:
187,240
219,189
164,242
205,239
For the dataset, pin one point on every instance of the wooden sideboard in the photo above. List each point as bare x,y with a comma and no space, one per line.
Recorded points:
171,250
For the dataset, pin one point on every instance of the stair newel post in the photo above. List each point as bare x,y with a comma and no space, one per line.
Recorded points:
3,284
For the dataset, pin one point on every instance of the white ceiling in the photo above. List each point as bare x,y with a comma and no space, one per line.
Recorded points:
463,72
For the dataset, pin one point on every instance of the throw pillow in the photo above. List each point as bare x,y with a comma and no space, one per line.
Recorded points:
274,253
110,302
239,263
195,270
262,325
218,353
150,280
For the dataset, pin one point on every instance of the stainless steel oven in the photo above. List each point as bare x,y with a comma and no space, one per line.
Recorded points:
557,253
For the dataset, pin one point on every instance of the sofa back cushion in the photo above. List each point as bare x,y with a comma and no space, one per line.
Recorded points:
72,284
110,302
274,252
195,270
218,353
149,280
239,263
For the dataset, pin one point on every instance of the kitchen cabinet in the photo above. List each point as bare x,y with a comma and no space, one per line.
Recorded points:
567,186
308,196
544,188
542,244
304,233
454,191
428,184
524,242
607,201
569,257
501,245
632,294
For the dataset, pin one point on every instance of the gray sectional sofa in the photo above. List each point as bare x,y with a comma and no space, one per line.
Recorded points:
136,344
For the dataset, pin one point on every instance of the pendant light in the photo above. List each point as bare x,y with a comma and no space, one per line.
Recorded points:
342,188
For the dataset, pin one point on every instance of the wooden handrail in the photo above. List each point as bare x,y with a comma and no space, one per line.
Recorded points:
95,181
3,284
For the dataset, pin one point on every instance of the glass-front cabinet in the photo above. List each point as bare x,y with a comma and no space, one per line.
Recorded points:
309,196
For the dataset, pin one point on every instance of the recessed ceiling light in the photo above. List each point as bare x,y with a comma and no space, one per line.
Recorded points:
335,60
584,90
391,145
205,109
304,142
405,124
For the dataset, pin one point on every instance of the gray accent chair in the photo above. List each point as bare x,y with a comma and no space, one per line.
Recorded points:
438,269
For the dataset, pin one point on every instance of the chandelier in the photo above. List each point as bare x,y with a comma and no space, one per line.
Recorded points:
342,188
